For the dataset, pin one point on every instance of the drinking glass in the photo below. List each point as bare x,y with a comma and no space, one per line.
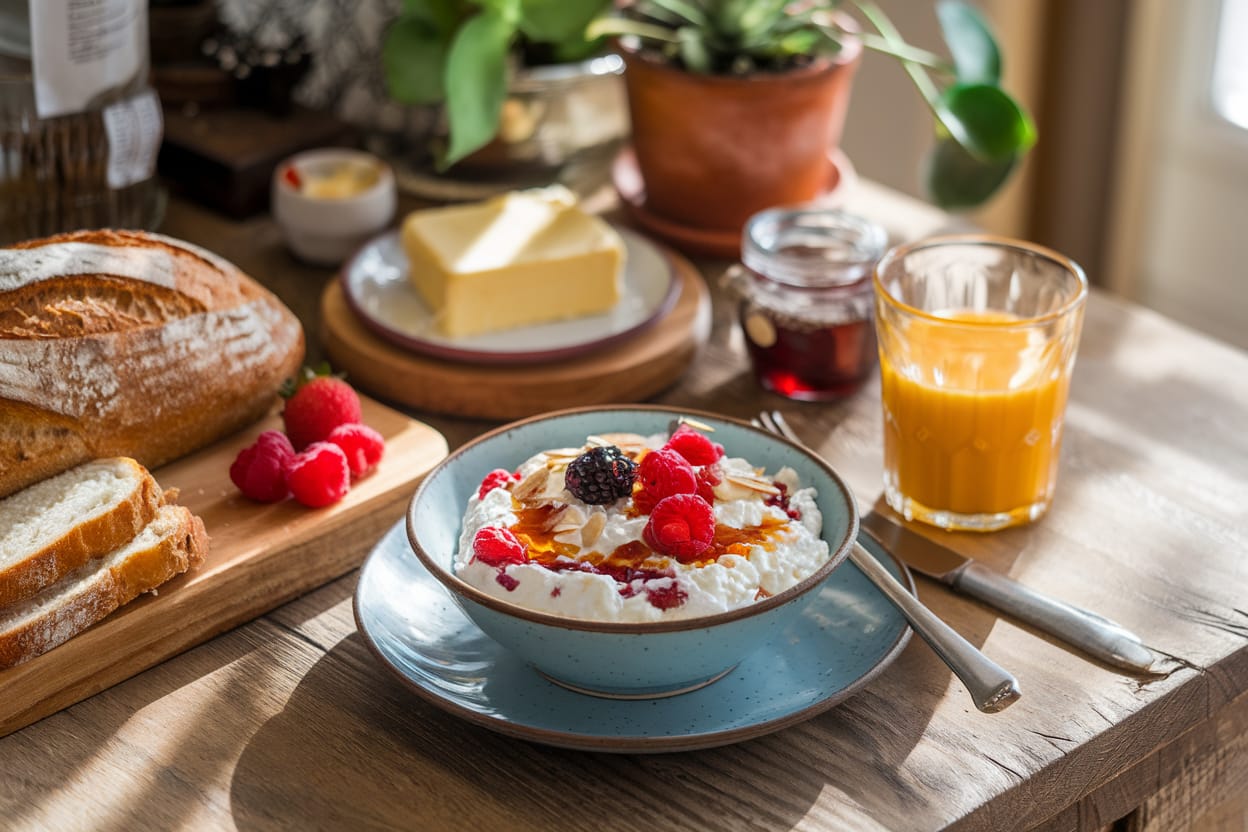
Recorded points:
977,338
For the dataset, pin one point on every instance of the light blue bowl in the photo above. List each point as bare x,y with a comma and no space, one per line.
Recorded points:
619,660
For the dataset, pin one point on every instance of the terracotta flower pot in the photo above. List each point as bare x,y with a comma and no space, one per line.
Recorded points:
713,150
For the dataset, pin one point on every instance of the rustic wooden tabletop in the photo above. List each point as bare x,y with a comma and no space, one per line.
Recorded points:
290,722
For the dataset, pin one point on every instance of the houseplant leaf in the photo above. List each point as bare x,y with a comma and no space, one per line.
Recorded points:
476,82
557,21
976,58
413,55
954,179
986,121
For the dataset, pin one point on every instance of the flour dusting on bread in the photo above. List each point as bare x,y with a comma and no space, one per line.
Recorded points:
123,343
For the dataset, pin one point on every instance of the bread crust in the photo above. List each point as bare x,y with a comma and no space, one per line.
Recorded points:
166,351
86,540
142,572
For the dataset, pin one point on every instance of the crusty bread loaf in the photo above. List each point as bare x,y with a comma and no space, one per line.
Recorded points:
55,526
172,543
123,343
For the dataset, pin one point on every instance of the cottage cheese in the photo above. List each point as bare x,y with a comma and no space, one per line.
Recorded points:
775,550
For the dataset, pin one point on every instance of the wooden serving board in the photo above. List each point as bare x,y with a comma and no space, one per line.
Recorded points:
629,371
260,556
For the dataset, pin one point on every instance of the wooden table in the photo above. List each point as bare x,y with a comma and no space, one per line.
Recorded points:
289,721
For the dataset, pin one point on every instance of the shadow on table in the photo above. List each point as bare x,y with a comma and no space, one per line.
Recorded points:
93,741
353,748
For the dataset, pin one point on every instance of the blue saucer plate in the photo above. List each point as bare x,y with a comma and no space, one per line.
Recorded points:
847,636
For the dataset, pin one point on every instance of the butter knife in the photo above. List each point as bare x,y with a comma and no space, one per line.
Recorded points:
1094,634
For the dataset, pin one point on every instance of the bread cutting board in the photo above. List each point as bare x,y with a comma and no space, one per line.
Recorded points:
260,556
628,371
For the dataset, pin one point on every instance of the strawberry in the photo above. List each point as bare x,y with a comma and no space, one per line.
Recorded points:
317,403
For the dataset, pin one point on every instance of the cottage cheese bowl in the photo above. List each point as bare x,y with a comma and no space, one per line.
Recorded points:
599,603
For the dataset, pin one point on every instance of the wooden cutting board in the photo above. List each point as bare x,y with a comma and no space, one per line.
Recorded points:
629,371
260,557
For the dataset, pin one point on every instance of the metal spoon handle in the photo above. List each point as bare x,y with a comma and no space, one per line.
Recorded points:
991,686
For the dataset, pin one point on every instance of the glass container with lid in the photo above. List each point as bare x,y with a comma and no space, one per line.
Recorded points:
806,300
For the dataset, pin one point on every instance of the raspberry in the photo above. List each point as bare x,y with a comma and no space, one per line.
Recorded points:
497,546
663,473
315,405
708,477
259,470
498,478
682,526
601,476
694,446
319,475
362,445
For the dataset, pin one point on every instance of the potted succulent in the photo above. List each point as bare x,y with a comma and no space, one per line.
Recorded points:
736,104
504,73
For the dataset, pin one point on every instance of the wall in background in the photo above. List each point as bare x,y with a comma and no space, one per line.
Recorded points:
1135,176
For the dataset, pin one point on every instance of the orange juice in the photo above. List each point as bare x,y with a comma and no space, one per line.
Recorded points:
972,414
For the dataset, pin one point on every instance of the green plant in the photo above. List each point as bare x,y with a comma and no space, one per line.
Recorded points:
981,132
458,53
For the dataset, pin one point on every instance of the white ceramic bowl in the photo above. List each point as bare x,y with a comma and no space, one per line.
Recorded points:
615,659
325,231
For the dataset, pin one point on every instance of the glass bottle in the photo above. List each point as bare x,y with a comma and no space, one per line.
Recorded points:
88,168
806,300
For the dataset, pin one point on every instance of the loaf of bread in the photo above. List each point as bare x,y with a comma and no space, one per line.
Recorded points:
169,545
123,343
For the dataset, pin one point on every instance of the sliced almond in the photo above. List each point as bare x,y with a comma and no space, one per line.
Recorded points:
761,486
593,527
695,424
568,517
559,453
532,484
569,537
624,440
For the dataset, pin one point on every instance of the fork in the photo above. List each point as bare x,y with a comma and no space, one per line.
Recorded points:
991,686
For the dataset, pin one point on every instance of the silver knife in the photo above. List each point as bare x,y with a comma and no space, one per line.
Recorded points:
1094,634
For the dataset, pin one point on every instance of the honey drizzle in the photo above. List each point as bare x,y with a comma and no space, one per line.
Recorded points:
534,528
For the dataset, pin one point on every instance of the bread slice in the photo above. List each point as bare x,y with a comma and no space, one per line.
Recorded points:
55,526
172,543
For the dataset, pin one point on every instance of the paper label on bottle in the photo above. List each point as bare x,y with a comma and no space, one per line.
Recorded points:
134,128
81,48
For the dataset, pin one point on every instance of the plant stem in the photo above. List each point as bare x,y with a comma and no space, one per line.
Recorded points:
927,88
875,15
905,52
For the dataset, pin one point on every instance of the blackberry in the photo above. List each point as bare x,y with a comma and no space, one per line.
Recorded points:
601,476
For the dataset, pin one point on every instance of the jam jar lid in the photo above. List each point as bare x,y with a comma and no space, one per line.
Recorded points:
812,247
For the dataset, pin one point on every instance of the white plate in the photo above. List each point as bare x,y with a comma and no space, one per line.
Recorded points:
376,287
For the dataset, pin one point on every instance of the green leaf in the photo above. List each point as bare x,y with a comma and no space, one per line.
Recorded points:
976,58
476,82
442,15
954,179
413,55
986,121
682,9
693,51
577,48
558,21
801,42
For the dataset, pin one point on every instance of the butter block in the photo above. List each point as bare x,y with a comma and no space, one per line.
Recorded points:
522,258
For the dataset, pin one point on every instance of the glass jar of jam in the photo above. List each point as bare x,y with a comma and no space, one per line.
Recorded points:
806,300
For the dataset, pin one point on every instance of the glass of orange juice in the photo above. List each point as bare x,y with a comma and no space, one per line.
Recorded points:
977,340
